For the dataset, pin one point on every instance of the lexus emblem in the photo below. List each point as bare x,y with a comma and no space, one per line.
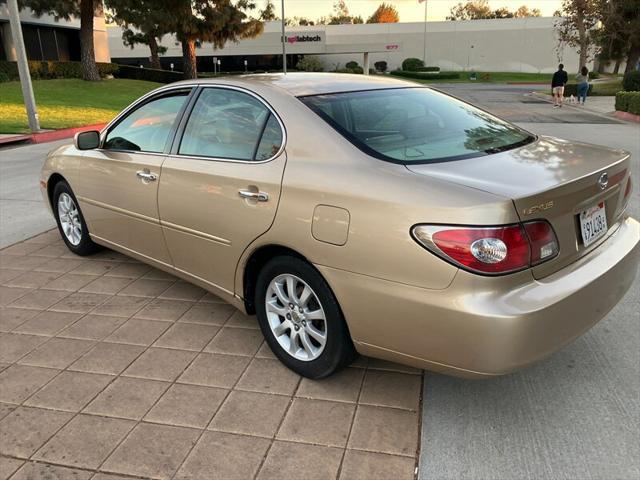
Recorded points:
603,181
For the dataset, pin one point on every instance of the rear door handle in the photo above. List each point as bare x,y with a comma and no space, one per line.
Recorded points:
146,176
259,196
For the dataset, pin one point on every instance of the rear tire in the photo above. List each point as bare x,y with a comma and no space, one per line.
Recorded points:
301,319
71,223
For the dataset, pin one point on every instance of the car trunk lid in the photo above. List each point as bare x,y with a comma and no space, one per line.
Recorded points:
548,179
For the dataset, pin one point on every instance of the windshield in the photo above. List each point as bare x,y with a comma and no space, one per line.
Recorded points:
415,125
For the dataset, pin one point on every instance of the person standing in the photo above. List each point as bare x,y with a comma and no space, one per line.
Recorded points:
582,79
558,82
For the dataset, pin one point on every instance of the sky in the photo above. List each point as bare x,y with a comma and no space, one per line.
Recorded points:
409,10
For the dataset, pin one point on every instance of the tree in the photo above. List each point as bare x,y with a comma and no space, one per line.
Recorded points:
298,21
269,12
473,10
147,17
619,36
524,12
385,13
65,9
480,10
502,12
341,15
575,27
215,21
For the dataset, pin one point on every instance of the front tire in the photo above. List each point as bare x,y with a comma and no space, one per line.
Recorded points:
300,318
71,223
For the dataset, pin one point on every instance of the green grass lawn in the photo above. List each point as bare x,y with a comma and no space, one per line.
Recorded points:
68,102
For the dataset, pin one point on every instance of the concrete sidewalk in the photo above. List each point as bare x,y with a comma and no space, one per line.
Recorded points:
110,366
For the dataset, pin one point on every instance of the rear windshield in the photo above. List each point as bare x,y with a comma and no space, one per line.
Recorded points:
415,125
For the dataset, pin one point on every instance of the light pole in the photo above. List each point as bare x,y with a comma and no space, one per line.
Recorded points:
23,66
424,50
284,43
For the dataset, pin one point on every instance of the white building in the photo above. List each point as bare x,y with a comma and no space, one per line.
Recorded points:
46,38
508,45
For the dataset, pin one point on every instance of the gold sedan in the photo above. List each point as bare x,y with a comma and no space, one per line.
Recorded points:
358,214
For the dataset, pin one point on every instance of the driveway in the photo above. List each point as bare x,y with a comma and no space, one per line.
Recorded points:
21,212
575,415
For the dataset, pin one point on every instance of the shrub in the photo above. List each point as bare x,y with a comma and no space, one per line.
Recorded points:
149,74
428,69
412,64
628,102
381,66
631,81
51,69
351,65
10,69
572,89
594,75
310,64
4,77
426,76
357,70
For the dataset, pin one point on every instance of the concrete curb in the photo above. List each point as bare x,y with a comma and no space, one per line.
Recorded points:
49,136
549,100
629,117
54,135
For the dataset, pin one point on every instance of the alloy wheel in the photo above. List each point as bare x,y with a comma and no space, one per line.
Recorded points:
69,217
296,317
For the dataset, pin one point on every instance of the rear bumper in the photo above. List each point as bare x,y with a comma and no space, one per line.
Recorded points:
482,326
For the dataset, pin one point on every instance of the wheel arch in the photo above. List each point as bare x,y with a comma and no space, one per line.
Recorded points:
255,261
53,180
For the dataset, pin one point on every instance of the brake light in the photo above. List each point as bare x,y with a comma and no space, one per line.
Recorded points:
490,250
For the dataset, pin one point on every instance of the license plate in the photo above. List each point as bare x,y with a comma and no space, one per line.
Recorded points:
593,223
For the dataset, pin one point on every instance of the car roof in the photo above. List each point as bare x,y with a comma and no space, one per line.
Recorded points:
303,83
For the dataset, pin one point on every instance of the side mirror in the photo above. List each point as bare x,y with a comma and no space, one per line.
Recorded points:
87,140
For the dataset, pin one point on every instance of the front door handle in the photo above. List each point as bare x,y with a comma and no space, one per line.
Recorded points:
146,176
259,196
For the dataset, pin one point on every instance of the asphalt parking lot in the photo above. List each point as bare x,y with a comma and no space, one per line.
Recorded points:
573,416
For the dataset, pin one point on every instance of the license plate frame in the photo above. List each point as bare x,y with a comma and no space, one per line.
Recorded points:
593,224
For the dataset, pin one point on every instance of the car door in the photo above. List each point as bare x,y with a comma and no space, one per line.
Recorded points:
220,186
118,189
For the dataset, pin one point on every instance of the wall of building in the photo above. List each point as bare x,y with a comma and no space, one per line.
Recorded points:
49,39
516,45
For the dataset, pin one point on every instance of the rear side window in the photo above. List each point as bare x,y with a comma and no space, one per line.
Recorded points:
148,127
415,125
230,124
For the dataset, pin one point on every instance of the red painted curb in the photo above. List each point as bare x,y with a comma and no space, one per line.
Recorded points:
628,116
63,133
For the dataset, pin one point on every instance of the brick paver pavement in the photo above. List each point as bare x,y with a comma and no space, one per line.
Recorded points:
112,369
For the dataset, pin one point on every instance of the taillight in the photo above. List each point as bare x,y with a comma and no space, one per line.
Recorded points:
629,187
490,250
543,241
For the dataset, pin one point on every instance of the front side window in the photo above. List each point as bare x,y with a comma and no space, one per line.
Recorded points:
415,125
148,127
230,124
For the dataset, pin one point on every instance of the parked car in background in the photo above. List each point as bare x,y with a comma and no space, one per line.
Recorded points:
358,214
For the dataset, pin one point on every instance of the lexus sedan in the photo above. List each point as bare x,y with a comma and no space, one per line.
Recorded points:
358,214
